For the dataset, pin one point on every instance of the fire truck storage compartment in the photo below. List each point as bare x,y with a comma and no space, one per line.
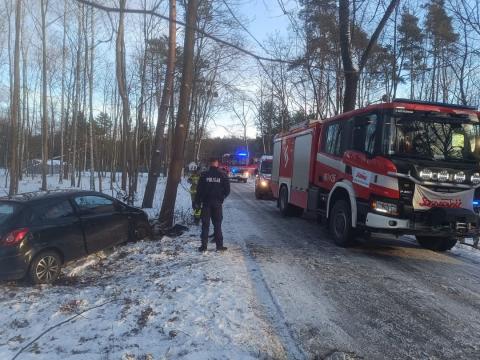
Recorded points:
277,147
301,162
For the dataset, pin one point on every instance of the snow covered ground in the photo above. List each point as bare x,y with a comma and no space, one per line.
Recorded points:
158,299
281,291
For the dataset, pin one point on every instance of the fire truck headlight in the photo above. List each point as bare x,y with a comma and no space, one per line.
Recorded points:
475,178
443,176
459,177
385,207
426,174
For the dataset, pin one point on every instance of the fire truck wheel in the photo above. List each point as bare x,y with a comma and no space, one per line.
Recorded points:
286,209
340,222
436,243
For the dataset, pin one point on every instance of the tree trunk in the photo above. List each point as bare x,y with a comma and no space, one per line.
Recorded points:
44,5
90,100
15,104
62,101
156,156
178,144
77,98
351,71
122,89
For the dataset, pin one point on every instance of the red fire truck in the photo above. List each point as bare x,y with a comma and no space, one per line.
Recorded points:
239,166
404,167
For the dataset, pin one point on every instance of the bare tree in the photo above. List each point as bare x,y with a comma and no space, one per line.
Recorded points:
122,90
181,126
44,7
156,155
350,69
15,105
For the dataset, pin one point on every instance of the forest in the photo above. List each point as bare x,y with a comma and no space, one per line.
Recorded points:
115,88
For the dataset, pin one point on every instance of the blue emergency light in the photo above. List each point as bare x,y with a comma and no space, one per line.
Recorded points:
242,154
476,202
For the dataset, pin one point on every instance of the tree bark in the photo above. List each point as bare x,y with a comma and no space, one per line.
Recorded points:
15,104
44,5
122,90
90,100
351,71
178,143
62,101
156,155
76,97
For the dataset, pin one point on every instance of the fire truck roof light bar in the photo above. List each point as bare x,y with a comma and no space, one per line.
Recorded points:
455,106
416,181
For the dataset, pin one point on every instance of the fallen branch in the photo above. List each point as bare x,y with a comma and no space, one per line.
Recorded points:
60,324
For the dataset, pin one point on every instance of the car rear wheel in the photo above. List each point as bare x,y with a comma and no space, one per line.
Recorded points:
340,224
45,268
436,243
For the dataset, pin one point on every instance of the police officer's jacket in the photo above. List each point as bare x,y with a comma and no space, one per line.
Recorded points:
213,187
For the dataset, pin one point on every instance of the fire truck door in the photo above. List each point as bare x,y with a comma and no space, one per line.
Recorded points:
277,147
301,162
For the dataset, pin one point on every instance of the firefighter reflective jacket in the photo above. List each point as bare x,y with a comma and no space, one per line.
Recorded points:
193,181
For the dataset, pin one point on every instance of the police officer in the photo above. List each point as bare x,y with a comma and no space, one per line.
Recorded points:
213,187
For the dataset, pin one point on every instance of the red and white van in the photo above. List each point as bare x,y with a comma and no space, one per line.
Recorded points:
404,167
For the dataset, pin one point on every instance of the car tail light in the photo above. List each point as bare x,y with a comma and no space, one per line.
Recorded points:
15,237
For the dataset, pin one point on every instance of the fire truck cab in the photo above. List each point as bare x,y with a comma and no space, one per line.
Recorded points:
404,167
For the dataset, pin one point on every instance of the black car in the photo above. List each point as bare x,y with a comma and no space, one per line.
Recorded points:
41,231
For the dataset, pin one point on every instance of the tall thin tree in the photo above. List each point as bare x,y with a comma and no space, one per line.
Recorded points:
15,105
44,6
181,126
156,156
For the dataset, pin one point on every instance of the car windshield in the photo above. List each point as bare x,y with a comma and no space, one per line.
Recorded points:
266,167
6,211
435,138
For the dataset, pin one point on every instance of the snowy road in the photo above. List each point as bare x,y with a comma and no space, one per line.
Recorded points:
382,299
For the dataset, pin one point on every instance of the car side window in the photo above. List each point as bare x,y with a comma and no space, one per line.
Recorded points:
333,139
52,210
60,210
95,204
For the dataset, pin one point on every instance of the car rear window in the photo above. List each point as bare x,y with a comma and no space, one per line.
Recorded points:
6,211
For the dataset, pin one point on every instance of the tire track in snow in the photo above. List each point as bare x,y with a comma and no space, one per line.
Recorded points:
264,294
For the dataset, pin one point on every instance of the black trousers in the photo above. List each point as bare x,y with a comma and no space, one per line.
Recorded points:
215,213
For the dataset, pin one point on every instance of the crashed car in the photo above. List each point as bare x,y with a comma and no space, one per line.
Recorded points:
41,231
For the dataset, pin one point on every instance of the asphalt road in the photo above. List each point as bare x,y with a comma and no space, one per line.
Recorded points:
383,299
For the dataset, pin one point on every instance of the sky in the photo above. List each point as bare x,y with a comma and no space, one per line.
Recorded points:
265,18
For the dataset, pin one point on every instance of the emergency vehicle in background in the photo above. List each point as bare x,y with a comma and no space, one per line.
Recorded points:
404,167
238,166
263,188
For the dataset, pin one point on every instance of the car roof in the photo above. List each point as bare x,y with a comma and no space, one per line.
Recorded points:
47,195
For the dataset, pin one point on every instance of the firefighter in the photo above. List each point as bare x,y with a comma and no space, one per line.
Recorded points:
193,181
213,188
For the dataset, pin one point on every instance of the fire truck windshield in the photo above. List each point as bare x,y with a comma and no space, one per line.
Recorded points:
235,160
435,138
266,167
